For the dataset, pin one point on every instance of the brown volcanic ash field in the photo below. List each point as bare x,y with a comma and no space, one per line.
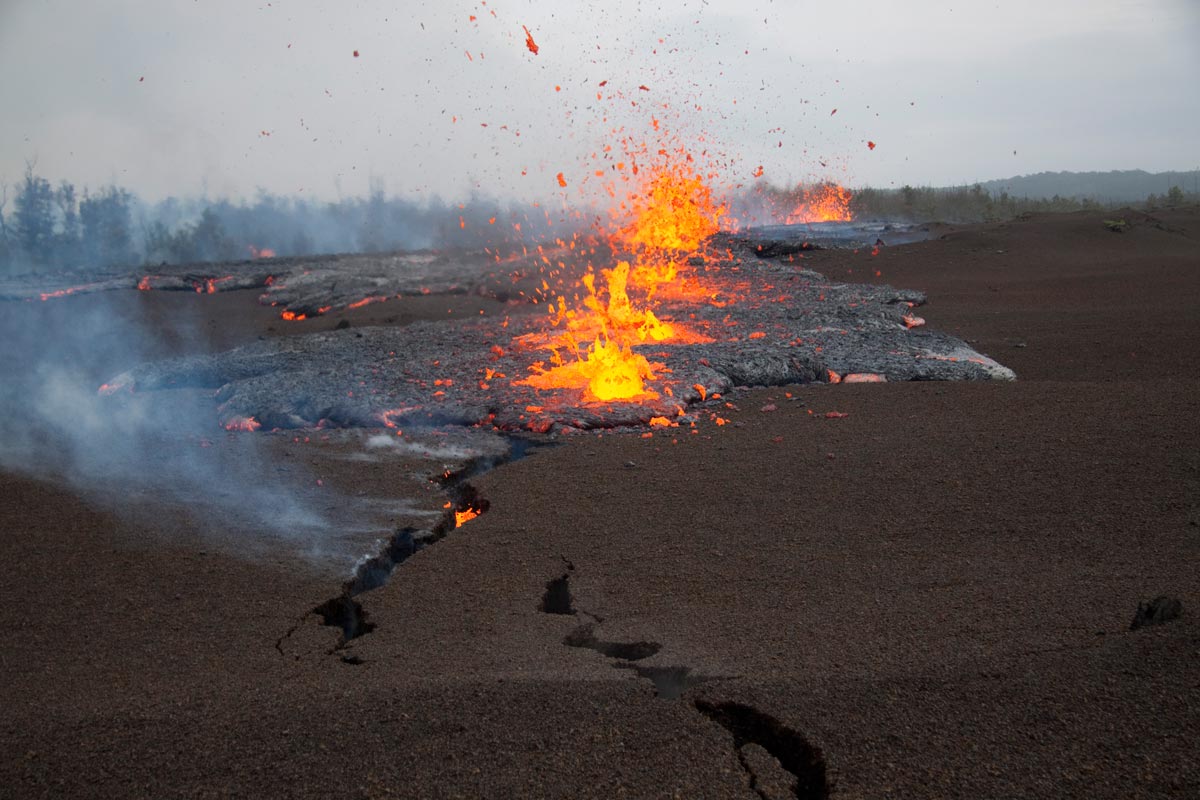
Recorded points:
768,322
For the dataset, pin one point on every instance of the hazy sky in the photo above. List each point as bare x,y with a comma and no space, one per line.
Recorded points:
227,96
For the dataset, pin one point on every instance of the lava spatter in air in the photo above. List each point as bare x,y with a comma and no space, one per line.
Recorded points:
826,202
673,213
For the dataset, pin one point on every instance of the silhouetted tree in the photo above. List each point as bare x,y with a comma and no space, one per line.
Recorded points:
33,217
106,222
157,241
203,241
6,247
67,233
209,239
373,230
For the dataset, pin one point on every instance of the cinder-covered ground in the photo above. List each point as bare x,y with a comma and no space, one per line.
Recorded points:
928,596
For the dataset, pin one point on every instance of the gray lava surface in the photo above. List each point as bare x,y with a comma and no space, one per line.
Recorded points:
304,286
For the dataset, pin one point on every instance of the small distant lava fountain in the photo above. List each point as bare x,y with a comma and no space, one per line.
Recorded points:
825,202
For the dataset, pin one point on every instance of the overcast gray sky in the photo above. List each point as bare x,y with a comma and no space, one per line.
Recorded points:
227,96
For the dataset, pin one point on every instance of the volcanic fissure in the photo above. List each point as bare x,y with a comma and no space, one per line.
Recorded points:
795,753
465,503
748,726
585,636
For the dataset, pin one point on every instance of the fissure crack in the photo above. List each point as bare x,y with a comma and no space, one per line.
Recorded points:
557,597
794,753
747,725
669,682
585,636
465,503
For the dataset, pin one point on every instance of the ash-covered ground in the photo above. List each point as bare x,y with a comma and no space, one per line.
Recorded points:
769,321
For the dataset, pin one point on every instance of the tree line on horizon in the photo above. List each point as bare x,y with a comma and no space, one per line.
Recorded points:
965,204
953,204
55,228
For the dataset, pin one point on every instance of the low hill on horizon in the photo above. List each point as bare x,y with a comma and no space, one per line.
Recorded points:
1115,186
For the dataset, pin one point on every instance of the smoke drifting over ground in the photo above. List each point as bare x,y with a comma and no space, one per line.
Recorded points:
122,451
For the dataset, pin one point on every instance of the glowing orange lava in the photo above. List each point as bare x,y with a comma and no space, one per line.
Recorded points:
65,292
529,42
825,202
367,301
616,316
672,213
466,515
606,370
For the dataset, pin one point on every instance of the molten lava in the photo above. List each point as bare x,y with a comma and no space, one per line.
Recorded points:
673,213
65,292
617,316
826,202
464,516
606,371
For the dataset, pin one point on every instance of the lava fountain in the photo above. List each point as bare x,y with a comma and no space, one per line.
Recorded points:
825,202
673,213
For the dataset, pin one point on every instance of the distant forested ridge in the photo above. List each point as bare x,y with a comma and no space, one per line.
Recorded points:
1117,186
988,201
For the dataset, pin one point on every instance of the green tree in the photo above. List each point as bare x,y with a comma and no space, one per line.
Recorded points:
1175,196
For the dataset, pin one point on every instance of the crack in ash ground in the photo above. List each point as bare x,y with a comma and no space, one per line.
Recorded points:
776,324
